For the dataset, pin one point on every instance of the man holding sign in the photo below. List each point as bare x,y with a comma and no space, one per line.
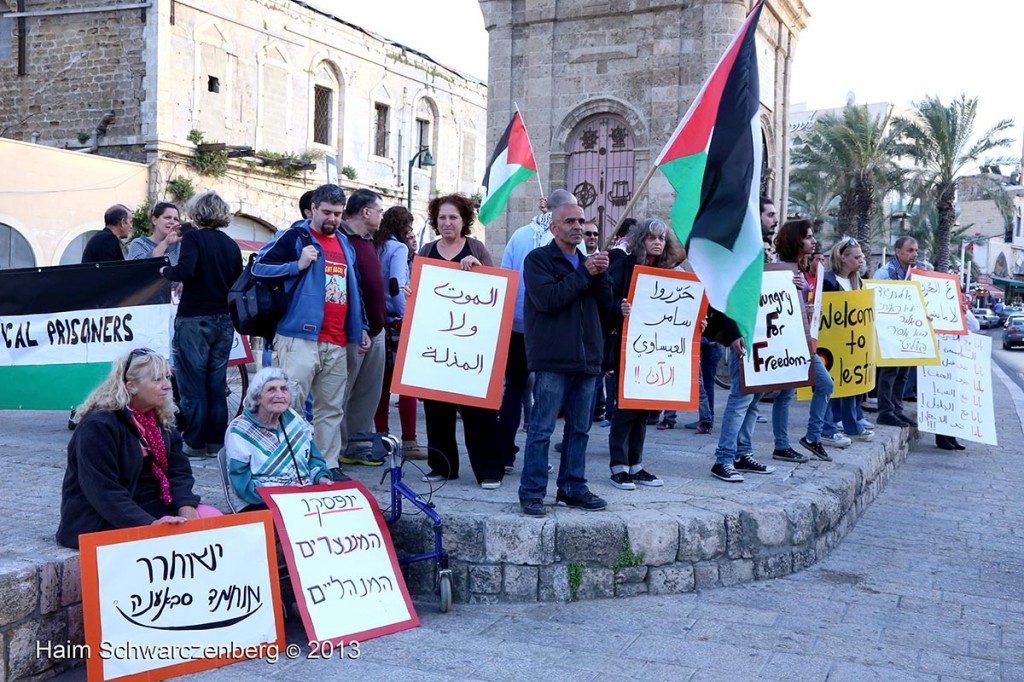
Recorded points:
567,296
892,380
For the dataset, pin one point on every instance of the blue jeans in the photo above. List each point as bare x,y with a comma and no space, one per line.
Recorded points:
710,355
823,387
780,417
202,346
738,419
572,392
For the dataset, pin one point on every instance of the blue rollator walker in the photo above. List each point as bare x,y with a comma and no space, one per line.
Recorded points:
399,490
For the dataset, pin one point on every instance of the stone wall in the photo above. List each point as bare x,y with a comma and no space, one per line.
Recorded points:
78,68
685,548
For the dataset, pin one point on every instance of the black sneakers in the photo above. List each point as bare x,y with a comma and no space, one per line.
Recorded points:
644,477
789,455
817,449
748,464
726,472
533,507
623,481
588,501
337,475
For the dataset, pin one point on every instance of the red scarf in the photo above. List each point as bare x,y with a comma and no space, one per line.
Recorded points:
153,442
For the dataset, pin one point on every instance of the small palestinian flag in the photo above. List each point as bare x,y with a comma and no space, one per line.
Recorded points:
714,163
511,164
62,327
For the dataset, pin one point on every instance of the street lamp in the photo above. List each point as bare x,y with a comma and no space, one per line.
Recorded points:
428,160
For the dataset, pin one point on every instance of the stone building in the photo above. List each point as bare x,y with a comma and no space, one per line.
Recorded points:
603,84
274,79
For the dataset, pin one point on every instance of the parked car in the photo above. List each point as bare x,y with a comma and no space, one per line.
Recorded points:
1010,310
1013,332
986,318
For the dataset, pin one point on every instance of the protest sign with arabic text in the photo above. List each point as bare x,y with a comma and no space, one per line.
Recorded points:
661,341
456,332
342,565
955,397
943,300
166,600
779,355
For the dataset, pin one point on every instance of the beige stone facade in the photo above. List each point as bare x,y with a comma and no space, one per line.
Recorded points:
584,73
132,80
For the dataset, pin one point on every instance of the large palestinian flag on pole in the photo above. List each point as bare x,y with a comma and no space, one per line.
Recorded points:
511,164
714,163
61,328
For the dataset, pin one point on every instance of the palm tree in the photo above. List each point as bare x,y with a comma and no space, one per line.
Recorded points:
940,140
857,153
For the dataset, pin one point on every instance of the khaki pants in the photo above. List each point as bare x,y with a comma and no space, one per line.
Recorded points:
320,368
365,380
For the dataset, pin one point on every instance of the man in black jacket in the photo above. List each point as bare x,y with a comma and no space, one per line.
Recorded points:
567,296
105,245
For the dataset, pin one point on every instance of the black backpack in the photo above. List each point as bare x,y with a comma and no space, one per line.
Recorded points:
257,304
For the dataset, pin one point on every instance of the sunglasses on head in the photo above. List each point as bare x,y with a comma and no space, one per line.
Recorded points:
850,241
138,352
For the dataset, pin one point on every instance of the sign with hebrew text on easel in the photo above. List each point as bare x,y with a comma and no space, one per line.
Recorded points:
342,565
955,398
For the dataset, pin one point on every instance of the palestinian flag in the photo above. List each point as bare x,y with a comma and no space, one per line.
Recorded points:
714,163
511,164
61,328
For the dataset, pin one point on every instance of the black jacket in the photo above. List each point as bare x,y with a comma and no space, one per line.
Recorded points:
103,247
563,311
108,484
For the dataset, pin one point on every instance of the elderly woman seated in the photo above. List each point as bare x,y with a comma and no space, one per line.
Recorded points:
270,444
125,463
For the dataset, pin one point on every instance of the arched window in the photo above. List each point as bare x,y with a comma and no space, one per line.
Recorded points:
15,251
73,253
325,107
601,168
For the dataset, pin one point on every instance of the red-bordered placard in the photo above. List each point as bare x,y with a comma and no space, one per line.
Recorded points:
241,351
181,598
660,354
455,337
943,300
343,567
780,355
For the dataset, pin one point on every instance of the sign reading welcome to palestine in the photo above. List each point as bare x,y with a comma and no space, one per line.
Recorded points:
62,327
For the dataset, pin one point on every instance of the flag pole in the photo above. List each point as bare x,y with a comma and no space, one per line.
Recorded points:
541,186
629,207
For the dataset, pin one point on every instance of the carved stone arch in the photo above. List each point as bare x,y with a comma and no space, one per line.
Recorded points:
326,118
769,174
601,105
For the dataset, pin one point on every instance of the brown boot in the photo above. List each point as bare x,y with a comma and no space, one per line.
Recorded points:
412,450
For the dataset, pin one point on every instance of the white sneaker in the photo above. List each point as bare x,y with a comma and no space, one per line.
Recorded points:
490,484
837,440
864,437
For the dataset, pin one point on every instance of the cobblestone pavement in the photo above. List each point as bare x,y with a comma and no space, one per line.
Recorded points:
926,587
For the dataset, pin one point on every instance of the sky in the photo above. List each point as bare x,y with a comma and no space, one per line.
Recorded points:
895,51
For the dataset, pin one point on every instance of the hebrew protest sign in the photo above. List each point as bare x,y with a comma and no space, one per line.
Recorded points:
341,561
780,354
902,329
661,341
846,342
943,300
954,398
62,327
455,337
161,601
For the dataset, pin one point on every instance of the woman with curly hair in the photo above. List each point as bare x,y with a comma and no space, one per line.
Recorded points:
649,243
125,463
452,218
391,240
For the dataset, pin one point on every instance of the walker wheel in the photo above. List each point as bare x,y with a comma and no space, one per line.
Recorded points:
445,588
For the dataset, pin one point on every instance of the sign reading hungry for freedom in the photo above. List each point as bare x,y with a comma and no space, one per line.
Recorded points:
955,398
943,300
902,328
661,341
846,342
454,341
166,600
341,561
780,353
62,327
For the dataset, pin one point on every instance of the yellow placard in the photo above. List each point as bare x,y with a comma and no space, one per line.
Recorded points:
846,342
